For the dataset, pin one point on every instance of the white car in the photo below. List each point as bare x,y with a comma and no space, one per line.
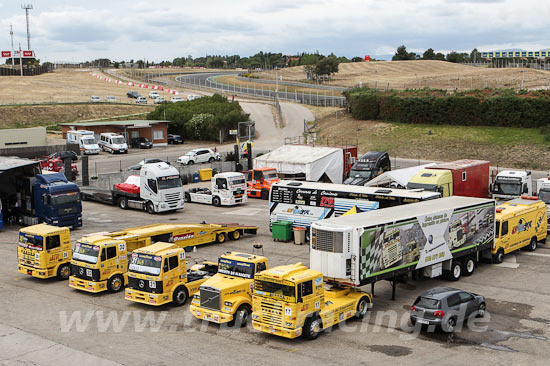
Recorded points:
193,97
176,99
141,100
159,100
199,156
95,99
110,98
154,95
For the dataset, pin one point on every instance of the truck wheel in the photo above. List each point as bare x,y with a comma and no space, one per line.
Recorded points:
265,194
64,271
220,238
115,283
150,208
180,296
312,327
123,203
362,307
499,256
241,316
455,272
469,266
532,245
235,235
187,197
216,201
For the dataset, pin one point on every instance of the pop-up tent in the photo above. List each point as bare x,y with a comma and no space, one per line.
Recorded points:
399,177
313,161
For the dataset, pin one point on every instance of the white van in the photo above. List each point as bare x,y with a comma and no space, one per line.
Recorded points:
113,143
85,140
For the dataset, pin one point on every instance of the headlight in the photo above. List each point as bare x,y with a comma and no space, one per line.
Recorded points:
228,303
255,317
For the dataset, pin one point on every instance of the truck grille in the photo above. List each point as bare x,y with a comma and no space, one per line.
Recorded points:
154,287
272,312
85,273
67,210
210,298
173,198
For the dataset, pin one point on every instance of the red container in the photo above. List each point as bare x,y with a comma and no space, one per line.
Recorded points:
470,177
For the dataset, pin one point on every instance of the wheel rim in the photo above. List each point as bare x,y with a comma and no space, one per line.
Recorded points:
500,256
451,325
117,283
236,234
64,272
243,315
362,307
533,245
456,271
470,265
221,238
181,297
315,326
481,310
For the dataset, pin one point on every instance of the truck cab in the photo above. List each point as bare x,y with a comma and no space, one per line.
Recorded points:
100,263
434,180
291,300
44,251
56,201
157,274
227,296
543,192
260,181
369,166
227,189
511,184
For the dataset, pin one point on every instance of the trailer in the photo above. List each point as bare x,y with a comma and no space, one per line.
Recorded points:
430,238
227,189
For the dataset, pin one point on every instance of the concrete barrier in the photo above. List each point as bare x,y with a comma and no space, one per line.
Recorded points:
38,151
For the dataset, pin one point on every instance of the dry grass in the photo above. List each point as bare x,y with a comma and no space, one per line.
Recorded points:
232,80
420,74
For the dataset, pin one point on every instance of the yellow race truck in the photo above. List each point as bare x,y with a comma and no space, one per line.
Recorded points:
227,296
520,223
44,251
291,301
157,274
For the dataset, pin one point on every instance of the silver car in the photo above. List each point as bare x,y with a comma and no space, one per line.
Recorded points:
446,307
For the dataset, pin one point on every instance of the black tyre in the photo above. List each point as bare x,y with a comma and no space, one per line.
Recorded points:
469,266
190,162
220,238
211,160
532,245
150,208
64,271
235,235
123,203
312,327
362,307
241,316
187,197
455,272
115,283
450,325
265,194
499,256
180,296
481,310
216,201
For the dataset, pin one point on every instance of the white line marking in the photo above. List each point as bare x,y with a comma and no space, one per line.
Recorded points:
245,212
537,254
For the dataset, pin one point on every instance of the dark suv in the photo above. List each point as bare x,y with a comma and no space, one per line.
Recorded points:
68,154
175,139
133,94
141,143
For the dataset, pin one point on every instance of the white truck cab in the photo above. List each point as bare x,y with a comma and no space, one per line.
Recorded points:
227,189
160,187
543,192
113,142
511,184
85,140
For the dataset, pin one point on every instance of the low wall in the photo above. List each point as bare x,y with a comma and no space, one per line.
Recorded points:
37,151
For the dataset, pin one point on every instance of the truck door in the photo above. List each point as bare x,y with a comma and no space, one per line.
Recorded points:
53,250
109,261
504,238
258,178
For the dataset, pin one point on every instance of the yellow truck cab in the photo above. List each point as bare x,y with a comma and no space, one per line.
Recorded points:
520,223
157,274
291,300
434,180
100,263
227,296
44,251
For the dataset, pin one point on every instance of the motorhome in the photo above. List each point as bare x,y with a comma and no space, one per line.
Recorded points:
85,140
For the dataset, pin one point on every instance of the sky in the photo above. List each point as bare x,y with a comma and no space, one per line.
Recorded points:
63,30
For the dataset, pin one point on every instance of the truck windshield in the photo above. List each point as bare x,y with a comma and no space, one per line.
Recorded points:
270,174
86,252
511,187
426,187
267,288
236,268
544,195
145,264
173,181
66,198
29,241
360,173
118,140
89,141
237,181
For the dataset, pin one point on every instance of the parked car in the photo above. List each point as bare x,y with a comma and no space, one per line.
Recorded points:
141,100
176,99
198,156
95,99
159,100
175,139
141,143
133,94
446,307
110,98
154,95
64,155
146,161
193,97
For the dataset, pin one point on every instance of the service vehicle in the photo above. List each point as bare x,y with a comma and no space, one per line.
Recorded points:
141,100
511,184
157,189
291,301
141,143
198,156
422,237
228,189
30,198
457,178
227,296
543,193
95,99
154,95
159,100
85,140
193,97
113,143
303,203
176,99
260,181
174,139
44,251
56,164
157,274
367,167
520,223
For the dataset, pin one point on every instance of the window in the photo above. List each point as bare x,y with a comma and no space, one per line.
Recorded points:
260,267
173,261
257,175
152,183
103,255
134,134
165,267
221,183
464,176
504,230
465,297
52,242
111,252
453,300
158,134
306,288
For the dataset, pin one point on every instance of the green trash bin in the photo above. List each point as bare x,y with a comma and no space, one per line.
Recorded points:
282,230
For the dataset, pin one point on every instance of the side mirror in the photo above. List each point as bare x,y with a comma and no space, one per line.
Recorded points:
525,188
490,187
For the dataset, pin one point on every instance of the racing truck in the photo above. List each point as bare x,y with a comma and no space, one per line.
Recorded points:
227,189
260,181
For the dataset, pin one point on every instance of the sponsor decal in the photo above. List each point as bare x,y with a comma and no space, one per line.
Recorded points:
522,226
183,237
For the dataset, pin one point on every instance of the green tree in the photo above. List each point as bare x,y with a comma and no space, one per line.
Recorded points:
429,54
326,66
357,59
402,54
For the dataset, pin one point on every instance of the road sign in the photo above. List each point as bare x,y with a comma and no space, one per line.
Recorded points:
6,53
232,132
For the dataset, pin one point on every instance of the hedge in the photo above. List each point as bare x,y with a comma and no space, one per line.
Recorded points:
505,108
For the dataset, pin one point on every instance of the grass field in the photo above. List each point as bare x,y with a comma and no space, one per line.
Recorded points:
502,146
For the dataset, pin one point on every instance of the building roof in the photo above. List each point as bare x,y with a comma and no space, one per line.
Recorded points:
131,123
13,162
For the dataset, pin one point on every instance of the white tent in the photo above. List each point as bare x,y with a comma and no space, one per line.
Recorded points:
313,161
399,176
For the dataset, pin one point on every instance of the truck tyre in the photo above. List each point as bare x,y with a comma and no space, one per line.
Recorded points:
64,271
216,201
312,327
235,235
499,256
123,203
187,197
469,266
150,208
180,296
532,245
265,194
241,316
455,272
220,238
115,283
362,307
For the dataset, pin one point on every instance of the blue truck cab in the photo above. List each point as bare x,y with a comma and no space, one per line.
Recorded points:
56,200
